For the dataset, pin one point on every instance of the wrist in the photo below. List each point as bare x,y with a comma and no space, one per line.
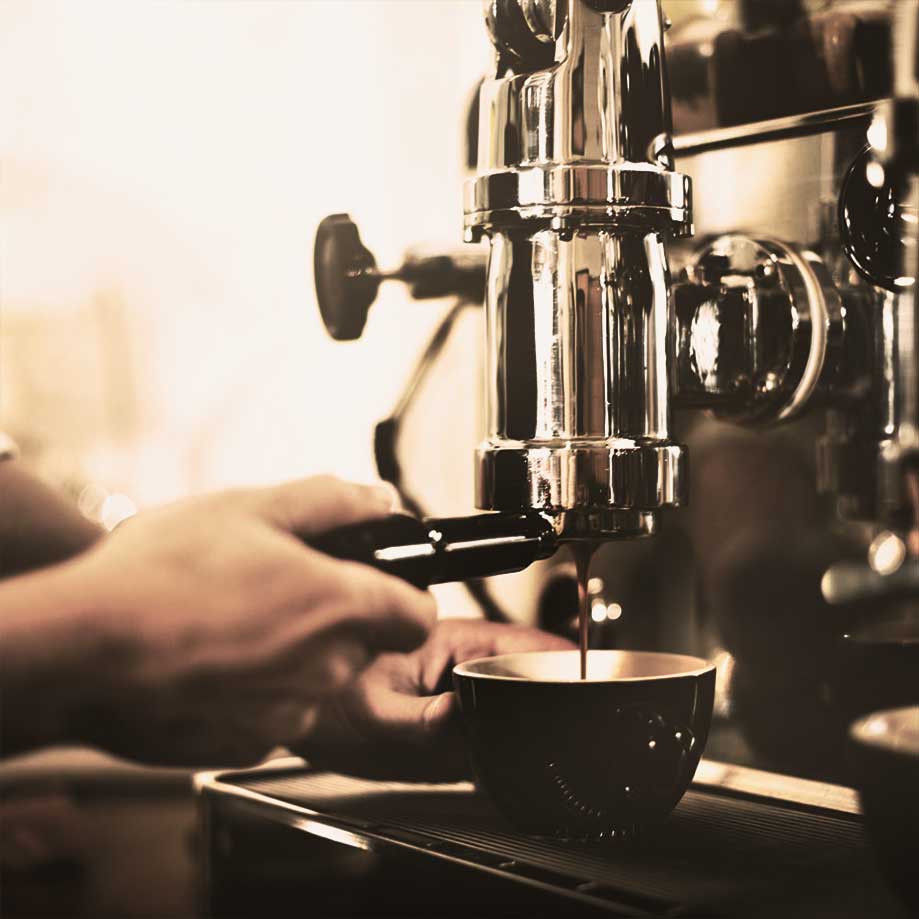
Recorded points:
58,651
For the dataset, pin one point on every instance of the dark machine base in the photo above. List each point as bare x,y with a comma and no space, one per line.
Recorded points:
289,841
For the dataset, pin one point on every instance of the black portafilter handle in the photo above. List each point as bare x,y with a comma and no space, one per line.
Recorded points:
438,550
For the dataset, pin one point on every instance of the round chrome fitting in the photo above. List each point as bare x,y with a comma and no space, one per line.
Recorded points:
569,197
755,322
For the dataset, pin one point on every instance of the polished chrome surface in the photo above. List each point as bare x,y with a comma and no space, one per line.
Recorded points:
759,132
577,374
742,62
577,194
572,324
585,141
631,478
573,197
604,100
895,164
874,218
753,321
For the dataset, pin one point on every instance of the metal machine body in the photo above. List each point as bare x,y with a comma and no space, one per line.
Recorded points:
776,346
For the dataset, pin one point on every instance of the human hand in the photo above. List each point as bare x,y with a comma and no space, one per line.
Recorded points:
224,630
400,719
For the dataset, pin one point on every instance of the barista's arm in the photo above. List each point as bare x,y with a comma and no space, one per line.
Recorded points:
38,526
204,633
51,653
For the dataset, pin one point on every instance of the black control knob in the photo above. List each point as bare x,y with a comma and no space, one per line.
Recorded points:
346,277
872,222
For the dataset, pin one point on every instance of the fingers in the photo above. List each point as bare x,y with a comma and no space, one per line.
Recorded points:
416,718
390,614
311,506
274,723
377,733
383,612
347,614
458,640
319,668
421,736
510,639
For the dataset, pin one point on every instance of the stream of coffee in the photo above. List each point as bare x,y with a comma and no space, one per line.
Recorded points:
583,553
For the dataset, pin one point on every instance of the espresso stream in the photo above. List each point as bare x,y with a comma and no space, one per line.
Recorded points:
583,552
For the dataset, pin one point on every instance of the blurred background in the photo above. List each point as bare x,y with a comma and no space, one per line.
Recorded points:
163,167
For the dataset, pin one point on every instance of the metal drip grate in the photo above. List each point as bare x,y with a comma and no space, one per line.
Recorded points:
716,854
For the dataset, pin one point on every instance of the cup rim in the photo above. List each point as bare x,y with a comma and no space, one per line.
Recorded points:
692,666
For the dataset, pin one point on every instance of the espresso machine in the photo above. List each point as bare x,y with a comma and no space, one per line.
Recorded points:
702,240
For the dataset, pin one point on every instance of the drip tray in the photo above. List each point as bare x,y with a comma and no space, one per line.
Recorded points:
719,853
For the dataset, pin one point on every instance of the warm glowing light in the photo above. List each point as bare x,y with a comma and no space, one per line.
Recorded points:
874,173
724,679
886,553
595,586
877,134
115,509
91,499
598,611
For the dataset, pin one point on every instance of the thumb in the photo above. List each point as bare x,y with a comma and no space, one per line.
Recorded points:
421,737
310,506
405,738
417,719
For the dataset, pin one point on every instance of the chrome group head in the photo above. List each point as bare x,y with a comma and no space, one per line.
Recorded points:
577,194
